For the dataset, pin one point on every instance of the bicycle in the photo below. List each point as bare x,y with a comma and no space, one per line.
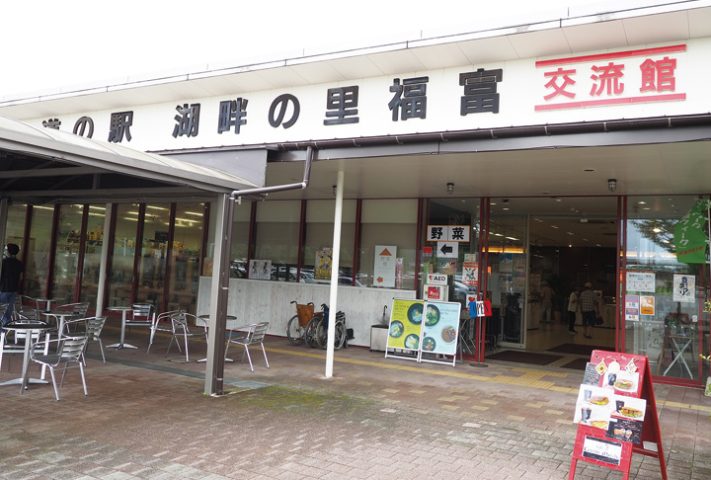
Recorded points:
296,326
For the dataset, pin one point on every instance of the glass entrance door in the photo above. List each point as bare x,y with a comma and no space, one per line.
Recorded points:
540,251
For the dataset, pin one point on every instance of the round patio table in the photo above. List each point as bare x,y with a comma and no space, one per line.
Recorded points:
28,328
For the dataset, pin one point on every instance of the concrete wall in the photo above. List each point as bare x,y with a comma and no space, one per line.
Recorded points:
258,300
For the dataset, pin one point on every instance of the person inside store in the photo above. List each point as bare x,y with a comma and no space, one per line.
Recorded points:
589,308
573,309
547,294
10,278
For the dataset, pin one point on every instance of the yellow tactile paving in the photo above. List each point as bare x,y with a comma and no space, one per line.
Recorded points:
530,378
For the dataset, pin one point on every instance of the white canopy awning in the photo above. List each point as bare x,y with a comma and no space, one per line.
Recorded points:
44,162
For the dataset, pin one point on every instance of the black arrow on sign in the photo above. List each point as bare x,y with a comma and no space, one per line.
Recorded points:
446,249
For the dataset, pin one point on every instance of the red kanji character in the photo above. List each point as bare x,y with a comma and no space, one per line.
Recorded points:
608,77
559,89
658,76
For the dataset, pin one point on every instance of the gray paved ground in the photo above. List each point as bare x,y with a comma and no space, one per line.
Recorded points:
146,417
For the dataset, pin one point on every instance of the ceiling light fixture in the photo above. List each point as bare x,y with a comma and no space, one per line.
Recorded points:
612,184
450,188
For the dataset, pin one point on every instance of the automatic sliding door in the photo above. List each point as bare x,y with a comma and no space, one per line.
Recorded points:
507,275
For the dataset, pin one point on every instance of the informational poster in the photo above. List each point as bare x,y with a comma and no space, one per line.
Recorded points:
441,328
436,323
646,304
324,258
641,282
632,308
260,269
684,288
405,324
384,266
470,274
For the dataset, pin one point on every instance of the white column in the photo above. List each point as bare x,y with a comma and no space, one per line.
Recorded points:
334,275
104,260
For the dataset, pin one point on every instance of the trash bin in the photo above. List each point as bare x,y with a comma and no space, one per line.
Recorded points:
378,338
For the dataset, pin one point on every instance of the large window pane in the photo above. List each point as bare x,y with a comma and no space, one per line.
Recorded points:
37,251
67,255
669,328
319,235
453,213
15,229
388,222
185,261
92,253
121,276
278,236
153,252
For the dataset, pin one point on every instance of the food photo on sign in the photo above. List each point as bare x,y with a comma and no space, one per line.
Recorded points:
594,407
627,419
622,381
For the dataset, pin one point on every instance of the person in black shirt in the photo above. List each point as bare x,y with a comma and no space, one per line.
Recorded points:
10,277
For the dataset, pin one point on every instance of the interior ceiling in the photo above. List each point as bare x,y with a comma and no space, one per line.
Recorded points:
679,168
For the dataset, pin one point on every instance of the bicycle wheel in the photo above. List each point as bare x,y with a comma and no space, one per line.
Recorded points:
294,332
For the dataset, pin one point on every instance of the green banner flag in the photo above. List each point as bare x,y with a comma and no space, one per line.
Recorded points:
690,236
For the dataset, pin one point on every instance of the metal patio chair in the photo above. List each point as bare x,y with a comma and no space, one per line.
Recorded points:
180,328
162,323
141,315
250,335
93,327
69,351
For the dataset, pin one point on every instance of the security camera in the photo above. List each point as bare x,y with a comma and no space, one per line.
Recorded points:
612,184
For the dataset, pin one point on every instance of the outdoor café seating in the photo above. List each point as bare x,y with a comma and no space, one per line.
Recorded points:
181,329
250,335
69,351
162,323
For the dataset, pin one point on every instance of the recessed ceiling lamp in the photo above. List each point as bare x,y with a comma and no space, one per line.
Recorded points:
450,188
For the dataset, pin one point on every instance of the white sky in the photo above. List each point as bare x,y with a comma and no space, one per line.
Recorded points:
51,45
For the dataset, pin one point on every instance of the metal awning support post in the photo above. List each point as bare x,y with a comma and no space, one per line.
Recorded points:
335,261
104,261
215,367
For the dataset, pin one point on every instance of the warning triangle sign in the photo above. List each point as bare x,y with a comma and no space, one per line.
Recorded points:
386,253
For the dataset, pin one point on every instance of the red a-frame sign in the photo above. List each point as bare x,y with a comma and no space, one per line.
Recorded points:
593,445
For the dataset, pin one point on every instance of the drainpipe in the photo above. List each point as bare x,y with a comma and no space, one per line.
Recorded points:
215,367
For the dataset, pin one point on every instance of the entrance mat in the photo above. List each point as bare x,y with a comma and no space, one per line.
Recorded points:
577,349
577,364
524,357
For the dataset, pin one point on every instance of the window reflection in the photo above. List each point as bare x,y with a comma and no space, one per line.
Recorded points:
37,251
185,256
92,253
121,275
67,255
153,254
667,329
